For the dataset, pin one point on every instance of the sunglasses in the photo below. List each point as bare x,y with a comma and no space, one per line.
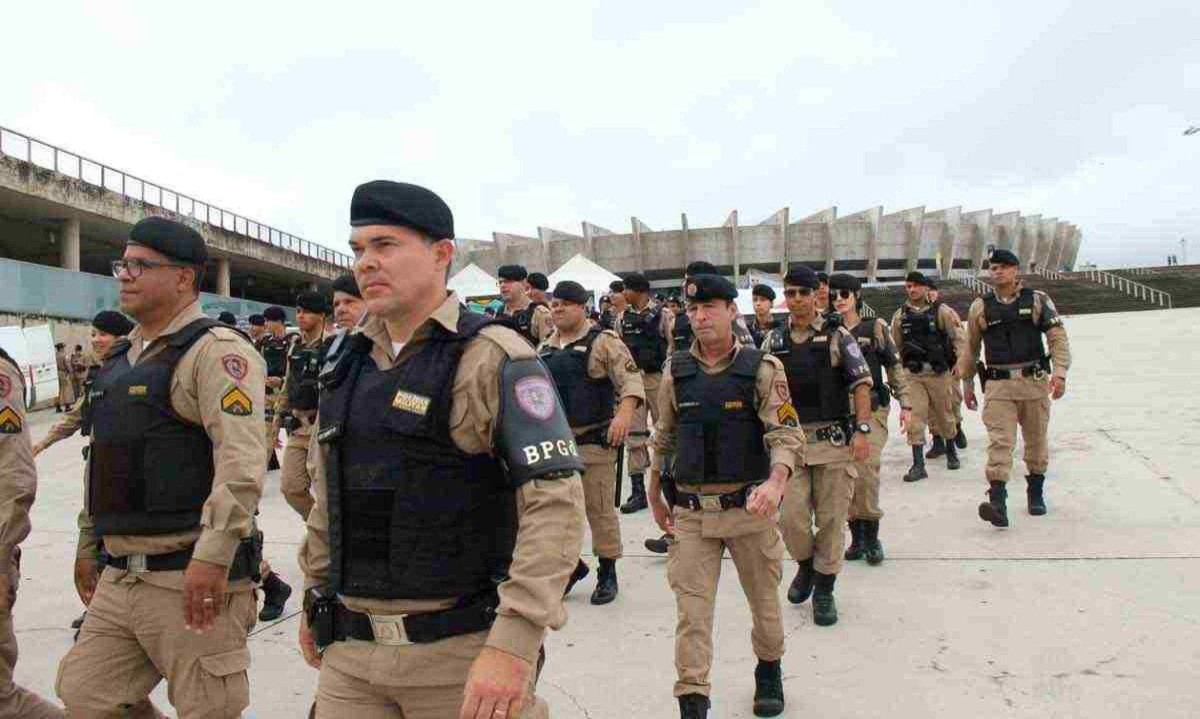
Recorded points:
135,267
843,294
797,292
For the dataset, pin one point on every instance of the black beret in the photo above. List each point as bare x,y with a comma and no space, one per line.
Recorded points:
512,272
274,314
801,276
919,279
59,345
114,323
383,202
700,267
346,283
763,291
709,287
257,320
1004,257
823,278
538,281
227,318
313,302
637,282
174,239
571,292
843,281
616,286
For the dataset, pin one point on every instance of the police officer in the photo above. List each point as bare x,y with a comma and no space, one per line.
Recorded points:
644,327
449,510
822,292
593,370
531,318
297,403
763,297
227,318
1019,379
348,307
257,328
18,486
729,436
610,319
956,393
875,341
273,346
538,286
825,371
930,338
174,477
66,390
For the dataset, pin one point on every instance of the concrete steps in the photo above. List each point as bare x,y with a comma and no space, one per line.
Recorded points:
1182,282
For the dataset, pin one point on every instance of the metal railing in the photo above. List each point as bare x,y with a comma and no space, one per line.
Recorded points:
45,155
971,280
1128,286
867,310
1050,274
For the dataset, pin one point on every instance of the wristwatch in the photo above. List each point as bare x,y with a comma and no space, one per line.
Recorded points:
864,427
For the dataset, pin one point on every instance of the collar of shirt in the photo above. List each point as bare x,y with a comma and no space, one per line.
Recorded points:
445,315
923,307
186,316
721,362
558,340
1011,298
801,334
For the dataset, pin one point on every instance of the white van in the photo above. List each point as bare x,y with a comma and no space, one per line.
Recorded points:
33,349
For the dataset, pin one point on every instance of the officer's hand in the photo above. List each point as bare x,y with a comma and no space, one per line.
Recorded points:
1058,387
765,498
969,398
38,448
496,686
87,575
619,427
274,382
905,418
204,588
308,646
956,373
663,516
859,447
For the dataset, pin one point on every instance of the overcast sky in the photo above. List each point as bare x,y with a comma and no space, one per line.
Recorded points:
527,114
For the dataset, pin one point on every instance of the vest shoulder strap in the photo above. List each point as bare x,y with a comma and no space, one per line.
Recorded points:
747,361
683,364
117,349
184,338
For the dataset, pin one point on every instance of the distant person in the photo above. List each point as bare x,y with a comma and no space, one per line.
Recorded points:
956,395
763,296
538,286
79,367
532,319
823,292
66,389
258,328
348,305
227,318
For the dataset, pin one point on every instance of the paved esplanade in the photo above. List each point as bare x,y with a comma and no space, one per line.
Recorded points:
1088,611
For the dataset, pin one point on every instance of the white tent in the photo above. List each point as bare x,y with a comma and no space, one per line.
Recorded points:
471,281
580,269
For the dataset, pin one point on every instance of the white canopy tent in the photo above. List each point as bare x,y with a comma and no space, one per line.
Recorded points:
471,281
592,276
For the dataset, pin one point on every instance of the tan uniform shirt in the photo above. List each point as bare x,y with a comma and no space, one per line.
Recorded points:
540,324
610,358
213,382
947,321
18,477
550,512
884,342
281,404
65,427
1045,316
782,434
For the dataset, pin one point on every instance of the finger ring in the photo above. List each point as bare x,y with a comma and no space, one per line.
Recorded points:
208,600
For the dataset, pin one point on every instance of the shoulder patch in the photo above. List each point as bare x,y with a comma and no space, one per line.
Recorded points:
235,366
536,396
509,340
5,386
10,421
237,403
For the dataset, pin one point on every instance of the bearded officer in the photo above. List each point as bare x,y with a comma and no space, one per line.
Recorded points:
449,510
348,307
931,339
174,478
829,382
531,318
593,370
875,341
729,434
1020,378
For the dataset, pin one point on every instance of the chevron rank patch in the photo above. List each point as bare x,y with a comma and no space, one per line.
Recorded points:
237,403
787,416
10,421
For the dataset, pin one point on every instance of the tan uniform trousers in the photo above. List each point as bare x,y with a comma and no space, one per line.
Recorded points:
644,418
134,636
1007,404
930,396
693,570
818,497
865,503
294,481
599,488
956,400
365,680
17,702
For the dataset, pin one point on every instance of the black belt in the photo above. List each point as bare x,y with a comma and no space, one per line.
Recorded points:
714,502
245,560
401,629
1036,369
835,434
596,435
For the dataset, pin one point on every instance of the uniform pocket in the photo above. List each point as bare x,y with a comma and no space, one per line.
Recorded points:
226,684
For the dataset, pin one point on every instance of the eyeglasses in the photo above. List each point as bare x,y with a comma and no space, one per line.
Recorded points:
797,292
136,267
844,294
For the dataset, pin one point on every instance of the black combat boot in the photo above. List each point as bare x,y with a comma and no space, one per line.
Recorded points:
660,545
275,596
995,510
824,608
606,582
938,448
960,439
637,495
581,571
768,689
856,548
1033,492
952,456
693,706
871,543
802,583
917,470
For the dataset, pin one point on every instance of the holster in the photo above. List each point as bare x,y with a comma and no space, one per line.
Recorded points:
669,490
291,422
247,561
319,610
981,370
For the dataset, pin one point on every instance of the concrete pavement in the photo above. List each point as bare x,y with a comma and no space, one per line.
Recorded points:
1088,611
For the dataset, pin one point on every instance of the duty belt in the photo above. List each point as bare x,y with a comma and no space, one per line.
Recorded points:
714,502
403,629
835,434
1037,370
245,560
596,435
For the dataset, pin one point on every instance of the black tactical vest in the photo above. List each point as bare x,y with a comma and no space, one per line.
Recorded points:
1011,337
606,320
641,332
587,401
681,332
411,516
759,334
85,409
877,359
819,390
720,434
150,470
304,366
275,351
523,321
923,341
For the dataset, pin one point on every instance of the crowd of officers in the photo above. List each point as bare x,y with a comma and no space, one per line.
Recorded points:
444,462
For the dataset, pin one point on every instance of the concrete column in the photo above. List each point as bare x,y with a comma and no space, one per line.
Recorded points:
69,239
637,244
687,244
223,276
784,216
589,245
732,223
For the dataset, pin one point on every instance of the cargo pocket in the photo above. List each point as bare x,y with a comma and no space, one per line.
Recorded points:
226,684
